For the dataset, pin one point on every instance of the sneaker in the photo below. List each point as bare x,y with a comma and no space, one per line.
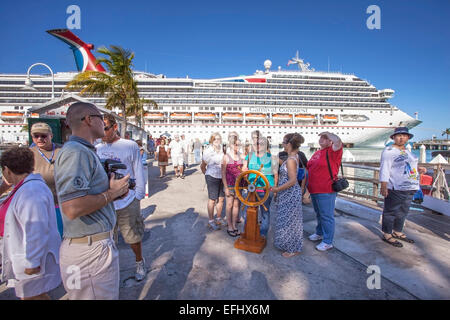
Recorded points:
213,225
323,246
182,176
221,222
141,271
315,237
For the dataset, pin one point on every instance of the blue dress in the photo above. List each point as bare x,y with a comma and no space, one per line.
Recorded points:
289,219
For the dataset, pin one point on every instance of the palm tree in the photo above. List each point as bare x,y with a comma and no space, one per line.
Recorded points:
118,85
136,108
446,132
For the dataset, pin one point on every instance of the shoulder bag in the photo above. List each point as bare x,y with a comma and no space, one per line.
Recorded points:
338,184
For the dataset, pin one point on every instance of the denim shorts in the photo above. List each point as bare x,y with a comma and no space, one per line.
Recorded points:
215,187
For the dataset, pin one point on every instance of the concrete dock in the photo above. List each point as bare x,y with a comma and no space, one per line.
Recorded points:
188,261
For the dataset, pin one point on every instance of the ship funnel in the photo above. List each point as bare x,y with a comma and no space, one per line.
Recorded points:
84,59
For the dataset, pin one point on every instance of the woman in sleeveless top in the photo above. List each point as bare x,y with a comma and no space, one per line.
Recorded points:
162,157
289,220
231,169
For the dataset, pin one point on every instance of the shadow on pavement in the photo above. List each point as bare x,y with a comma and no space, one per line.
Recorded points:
171,254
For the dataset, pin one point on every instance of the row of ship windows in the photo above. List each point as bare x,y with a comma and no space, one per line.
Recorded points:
159,132
216,96
240,98
301,82
223,85
278,103
289,92
285,76
297,127
173,102
243,95
263,89
329,83
209,94
63,83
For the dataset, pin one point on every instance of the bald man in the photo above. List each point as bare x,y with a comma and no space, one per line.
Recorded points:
89,258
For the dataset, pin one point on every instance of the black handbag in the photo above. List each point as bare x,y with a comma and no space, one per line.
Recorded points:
338,184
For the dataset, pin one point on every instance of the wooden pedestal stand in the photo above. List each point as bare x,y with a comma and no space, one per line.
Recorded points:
251,240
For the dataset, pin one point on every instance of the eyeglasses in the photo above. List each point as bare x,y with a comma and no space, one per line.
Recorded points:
93,115
109,127
37,136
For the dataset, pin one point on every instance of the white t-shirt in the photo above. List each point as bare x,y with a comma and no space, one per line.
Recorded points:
399,169
176,148
213,161
186,146
127,152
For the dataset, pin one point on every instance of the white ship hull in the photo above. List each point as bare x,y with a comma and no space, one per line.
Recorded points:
342,104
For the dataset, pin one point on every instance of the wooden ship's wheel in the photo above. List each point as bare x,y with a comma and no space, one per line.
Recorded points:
251,240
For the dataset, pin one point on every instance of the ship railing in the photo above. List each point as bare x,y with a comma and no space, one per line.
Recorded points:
364,179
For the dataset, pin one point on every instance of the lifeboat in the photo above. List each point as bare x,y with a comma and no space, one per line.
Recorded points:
35,115
205,116
354,117
232,116
12,115
180,116
256,116
329,118
154,116
305,117
281,117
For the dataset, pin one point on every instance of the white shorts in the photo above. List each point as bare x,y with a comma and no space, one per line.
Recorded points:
177,160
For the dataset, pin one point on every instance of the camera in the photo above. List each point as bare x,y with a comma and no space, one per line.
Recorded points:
111,166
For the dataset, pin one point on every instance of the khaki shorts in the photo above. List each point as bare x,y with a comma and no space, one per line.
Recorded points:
130,223
90,272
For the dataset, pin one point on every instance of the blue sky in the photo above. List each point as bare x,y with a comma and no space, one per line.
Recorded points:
212,39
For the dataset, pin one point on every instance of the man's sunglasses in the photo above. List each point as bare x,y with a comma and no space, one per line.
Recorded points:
93,115
37,136
109,127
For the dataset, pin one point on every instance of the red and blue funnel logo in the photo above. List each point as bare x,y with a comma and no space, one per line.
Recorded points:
84,59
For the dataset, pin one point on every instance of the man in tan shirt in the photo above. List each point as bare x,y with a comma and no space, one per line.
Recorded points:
45,152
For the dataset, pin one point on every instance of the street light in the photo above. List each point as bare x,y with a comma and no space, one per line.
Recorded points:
29,83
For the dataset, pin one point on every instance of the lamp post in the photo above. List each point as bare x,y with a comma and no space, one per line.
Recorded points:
29,83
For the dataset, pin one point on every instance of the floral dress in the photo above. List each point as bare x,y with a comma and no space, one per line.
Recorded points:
289,218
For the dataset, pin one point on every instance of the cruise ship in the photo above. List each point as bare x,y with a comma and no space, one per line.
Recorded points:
275,102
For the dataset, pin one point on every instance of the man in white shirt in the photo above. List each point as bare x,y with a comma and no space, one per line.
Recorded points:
399,178
176,152
128,209
186,150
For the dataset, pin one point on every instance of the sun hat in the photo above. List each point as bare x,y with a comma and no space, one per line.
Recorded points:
401,130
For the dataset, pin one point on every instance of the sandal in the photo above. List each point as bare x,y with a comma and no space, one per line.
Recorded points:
290,254
403,238
236,232
231,233
394,243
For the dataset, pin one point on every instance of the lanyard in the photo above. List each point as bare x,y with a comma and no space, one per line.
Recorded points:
43,155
